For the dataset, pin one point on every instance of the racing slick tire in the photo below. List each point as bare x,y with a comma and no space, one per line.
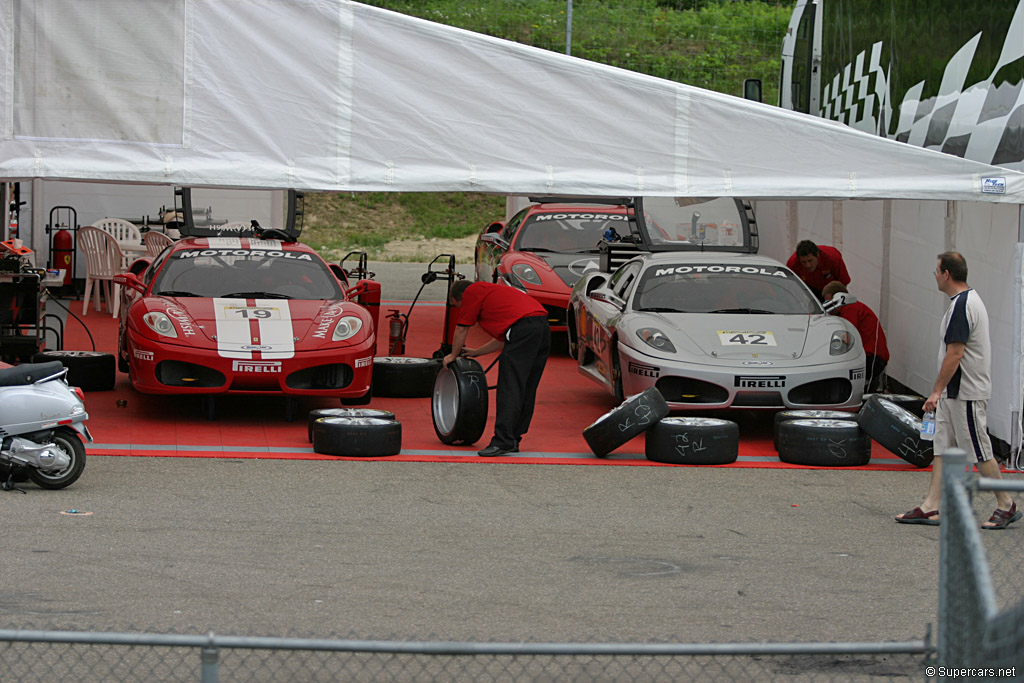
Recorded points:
459,402
404,377
897,429
87,370
910,402
693,441
357,437
316,414
786,415
630,418
823,443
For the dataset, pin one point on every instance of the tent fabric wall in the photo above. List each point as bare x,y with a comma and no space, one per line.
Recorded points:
337,96
332,95
910,307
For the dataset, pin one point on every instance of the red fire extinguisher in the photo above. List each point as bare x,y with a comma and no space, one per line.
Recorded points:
396,340
63,252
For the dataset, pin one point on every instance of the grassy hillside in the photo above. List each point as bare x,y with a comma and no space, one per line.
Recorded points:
712,44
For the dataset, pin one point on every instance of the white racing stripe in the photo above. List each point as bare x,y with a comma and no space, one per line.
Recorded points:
276,330
232,328
274,339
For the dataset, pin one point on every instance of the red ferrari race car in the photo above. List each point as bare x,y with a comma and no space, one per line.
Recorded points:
244,315
545,248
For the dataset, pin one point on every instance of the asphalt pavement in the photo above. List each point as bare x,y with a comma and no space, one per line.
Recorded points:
467,551
471,552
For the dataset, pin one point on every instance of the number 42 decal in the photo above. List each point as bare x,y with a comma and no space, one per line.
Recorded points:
746,338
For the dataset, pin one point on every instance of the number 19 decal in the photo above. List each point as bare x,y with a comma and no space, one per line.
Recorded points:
746,338
251,312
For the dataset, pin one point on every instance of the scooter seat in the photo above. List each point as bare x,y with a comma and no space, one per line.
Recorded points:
27,373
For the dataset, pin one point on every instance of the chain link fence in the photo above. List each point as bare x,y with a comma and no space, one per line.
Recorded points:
81,656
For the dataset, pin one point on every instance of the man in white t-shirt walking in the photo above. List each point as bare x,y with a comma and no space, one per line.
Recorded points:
961,393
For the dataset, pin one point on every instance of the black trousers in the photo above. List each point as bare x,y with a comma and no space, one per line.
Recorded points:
874,367
520,366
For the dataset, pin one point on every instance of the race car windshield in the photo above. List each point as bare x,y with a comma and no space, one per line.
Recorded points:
275,274
693,220
724,288
569,232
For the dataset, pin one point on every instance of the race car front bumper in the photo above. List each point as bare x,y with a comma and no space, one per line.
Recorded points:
156,368
755,385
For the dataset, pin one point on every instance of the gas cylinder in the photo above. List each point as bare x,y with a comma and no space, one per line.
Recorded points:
369,298
396,342
63,252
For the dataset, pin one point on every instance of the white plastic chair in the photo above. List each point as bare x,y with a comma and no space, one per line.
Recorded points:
123,231
156,242
103,260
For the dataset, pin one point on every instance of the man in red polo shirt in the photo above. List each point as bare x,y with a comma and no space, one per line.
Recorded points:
872,336
521,331
817,266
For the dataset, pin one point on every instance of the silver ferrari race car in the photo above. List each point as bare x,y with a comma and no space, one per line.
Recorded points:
713,329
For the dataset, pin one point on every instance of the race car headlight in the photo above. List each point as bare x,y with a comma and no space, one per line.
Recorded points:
346,327
656,338
526,273
160,323
840,344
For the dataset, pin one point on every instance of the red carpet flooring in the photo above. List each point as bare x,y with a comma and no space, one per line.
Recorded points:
255,427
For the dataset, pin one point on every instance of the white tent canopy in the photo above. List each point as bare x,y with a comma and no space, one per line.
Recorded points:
334,95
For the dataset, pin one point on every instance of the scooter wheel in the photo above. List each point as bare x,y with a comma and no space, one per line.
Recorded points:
66,440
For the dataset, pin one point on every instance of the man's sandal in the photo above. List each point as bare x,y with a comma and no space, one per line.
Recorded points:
1001,519
919,516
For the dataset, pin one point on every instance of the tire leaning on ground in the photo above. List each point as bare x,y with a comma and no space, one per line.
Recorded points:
87,370
622,423
357,437
897,429
693,441
459,402
404,377
823,443
345,412
786,415
910,402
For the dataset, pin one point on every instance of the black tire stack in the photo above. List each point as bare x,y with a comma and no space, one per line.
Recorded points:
87,370
356,436
822,442
404,376
693,441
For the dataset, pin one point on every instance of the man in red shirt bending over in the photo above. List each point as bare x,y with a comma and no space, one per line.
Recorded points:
871,335
520,329
817,266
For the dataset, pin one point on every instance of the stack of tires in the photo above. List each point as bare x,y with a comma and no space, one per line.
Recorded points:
355,432
669,440
821,438
825,438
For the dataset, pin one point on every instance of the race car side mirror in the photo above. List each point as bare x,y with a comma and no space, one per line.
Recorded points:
130,280
608,298
493,238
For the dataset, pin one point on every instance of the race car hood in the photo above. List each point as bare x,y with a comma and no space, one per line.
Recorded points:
276,328
568,267
736,337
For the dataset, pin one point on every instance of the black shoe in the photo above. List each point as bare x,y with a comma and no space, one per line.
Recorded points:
491,451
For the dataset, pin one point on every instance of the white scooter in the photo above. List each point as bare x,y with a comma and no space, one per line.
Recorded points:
42,422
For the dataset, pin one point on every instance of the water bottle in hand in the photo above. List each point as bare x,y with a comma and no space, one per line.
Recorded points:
928,426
